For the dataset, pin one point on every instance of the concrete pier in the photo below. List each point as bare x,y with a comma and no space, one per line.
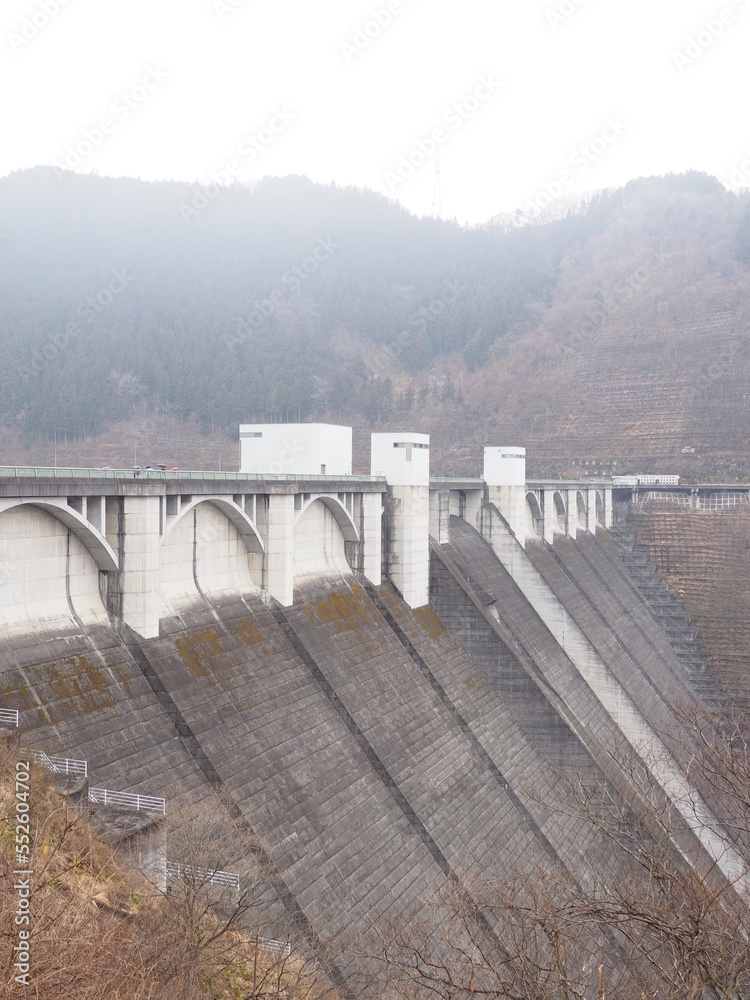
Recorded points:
98,544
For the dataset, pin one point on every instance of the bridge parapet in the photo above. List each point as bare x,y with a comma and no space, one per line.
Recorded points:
189,526
703,497
534,509
159,538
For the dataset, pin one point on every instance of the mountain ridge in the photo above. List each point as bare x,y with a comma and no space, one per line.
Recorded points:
614,335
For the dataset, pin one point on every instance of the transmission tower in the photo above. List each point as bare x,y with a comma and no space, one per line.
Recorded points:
437,197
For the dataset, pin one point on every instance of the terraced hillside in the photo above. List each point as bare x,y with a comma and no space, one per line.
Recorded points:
615,335
704,557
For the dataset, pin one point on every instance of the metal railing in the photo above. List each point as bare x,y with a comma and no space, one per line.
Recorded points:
588,484
48,472
473,480
194,873
278,947
9,716
60,765
128,800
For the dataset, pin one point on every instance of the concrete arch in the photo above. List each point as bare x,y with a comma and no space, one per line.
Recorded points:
340,513
581,512
322,535
560,525
233,513
93,541
534,517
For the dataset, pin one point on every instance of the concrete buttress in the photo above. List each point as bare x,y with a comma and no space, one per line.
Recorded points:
279,575
139,563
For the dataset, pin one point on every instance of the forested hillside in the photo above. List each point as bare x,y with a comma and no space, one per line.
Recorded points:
615,334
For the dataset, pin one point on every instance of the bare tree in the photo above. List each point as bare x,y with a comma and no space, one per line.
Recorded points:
220,898
653,914
101,929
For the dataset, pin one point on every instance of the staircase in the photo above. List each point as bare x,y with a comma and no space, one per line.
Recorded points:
668,611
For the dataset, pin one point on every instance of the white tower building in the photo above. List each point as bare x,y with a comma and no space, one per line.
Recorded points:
404,459
505,476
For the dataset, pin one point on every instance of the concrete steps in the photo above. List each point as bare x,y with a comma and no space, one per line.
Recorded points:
576,693
372,749
587,577
666,609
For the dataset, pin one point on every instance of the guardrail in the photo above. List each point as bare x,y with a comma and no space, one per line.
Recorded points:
48,472
567,483
472,480
9,716
129,800
175,869
279,947
60,765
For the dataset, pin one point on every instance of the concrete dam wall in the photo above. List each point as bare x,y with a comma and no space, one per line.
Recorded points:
359,739
372,747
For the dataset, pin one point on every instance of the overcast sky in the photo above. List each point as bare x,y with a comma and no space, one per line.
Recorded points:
521,101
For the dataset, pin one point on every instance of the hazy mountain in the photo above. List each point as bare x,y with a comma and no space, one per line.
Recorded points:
616,333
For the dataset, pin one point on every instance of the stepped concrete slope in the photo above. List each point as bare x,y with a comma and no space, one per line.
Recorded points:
627,696
370,746
556,710
344,847
81,695
611,631
452,794
671,630
590,580
490,725
532,673
352,735
539,629
636,624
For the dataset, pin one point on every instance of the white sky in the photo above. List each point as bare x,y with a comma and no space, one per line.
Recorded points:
349,114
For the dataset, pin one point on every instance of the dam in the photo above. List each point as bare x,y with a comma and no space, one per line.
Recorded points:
377,674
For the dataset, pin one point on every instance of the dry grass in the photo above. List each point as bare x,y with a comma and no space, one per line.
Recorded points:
100,930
